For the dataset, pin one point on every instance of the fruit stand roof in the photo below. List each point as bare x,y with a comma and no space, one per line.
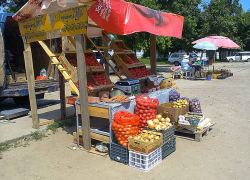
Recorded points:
115,16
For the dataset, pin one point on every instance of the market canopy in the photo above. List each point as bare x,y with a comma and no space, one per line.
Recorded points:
220,42
114,16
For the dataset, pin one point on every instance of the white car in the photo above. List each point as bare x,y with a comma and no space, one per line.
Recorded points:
176,58
239,56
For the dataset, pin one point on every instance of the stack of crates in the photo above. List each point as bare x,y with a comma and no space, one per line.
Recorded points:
119,153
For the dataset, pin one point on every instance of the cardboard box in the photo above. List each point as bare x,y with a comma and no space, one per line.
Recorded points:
20,77
176,88
166,83
167,111
144,147
72,99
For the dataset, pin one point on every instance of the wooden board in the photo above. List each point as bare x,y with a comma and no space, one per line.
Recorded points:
198,134
2,58
95,136
96,112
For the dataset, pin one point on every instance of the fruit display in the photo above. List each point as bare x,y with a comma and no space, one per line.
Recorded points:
121,98
159,123
179,103
128,61
135,73
135,60
185,98
195,106
146,109
125,125
91,61
41,78
73,62
198,116
100,78
144,72
174,95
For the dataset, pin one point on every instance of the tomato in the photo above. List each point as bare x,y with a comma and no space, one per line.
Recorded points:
144,121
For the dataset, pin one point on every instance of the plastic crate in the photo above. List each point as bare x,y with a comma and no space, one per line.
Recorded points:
145,162
119,153
168,148
167,134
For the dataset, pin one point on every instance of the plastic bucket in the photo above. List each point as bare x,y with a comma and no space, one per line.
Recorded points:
209,78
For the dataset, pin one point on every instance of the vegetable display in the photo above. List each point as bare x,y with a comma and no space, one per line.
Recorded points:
124,125
146,109
159,123
195,106
121,98
73,62
91,61
128,61
135,73
100,78
147,137
179,103
144,72
174,95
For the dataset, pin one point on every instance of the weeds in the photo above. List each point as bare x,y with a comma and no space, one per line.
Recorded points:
54,127
37,135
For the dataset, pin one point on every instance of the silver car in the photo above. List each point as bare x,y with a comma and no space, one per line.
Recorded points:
176,58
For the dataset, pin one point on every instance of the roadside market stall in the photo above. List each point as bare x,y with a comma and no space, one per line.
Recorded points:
140,132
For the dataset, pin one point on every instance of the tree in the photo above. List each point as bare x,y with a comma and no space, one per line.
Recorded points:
12,6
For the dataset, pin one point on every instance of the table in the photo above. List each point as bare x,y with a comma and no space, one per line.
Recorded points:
107,111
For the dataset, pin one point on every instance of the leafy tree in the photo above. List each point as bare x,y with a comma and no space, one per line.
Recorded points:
12,6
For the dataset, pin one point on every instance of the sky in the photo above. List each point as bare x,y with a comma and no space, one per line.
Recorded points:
245,4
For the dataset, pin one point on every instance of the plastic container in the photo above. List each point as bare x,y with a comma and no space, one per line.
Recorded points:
209,78
43,72
119,153
145,162
168,148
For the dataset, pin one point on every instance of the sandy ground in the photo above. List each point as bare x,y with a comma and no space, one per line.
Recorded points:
223,154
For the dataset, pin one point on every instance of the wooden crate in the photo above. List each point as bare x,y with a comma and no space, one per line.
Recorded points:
115,46
118,59
133,56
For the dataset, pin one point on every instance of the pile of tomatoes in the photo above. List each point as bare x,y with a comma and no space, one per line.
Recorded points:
89,87
124,125
100,78
135,73
144,71
128,61
146,109
41,77
73,62
120,45
91,61
135,60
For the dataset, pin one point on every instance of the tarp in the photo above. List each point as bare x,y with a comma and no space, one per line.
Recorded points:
114,16
121,17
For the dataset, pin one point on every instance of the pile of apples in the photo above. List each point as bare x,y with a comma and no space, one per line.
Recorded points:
128,61
91,61
99,78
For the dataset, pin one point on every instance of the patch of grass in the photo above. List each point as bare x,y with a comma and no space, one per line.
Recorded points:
147,61
53,127
37,135
4,147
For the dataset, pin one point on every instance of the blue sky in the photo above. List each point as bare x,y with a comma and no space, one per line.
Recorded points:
245,4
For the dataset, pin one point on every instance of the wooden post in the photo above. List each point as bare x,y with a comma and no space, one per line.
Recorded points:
153,53
81,70
62,96
31,84
105,44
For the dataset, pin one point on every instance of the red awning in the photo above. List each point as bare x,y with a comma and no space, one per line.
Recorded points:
114,16
120,17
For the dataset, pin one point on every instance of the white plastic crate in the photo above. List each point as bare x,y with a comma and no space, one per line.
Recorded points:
145,162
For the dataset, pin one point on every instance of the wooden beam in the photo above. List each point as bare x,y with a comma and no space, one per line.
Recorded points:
62,96
105,43
81,71
31,84
153,53
55,120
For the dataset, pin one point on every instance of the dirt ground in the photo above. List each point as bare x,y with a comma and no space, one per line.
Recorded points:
223,154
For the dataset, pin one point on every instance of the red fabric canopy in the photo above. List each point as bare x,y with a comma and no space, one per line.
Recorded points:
114,16
219,41
120,17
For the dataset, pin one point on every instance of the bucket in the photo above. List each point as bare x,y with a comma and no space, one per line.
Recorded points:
209,78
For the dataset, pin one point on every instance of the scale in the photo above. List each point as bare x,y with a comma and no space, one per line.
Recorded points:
128,86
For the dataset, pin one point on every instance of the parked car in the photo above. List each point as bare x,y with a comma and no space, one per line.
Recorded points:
99,57
239,56
176,58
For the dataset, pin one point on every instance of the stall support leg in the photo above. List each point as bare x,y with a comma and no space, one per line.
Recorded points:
31,84
105,44
62,96
81,69
153,53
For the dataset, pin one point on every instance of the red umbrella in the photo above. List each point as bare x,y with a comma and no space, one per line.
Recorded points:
219,41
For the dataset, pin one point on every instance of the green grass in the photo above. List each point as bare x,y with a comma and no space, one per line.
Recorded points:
147,61
37,135
53,127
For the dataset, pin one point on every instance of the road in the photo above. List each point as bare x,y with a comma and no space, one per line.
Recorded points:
223,154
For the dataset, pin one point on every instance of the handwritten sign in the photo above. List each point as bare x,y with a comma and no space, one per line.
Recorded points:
68,22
